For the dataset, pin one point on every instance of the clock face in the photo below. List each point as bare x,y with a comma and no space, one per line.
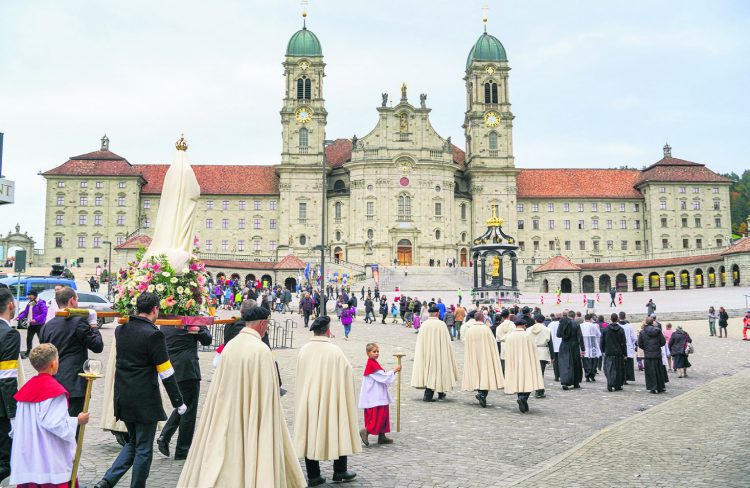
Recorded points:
303,115
492,119
304,65
490,70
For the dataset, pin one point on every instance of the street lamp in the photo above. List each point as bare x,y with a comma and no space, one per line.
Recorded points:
323,298
109,266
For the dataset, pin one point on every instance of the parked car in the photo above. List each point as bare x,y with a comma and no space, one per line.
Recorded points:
87,299
36,283
3,275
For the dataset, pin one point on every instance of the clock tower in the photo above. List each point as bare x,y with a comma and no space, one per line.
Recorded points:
303,121
488,127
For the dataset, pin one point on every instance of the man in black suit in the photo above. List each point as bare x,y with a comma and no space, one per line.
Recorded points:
183,352
73,337
141,360
10,348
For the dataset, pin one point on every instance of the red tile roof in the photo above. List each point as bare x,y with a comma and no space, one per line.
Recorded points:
340,152
288,263
652,263
578,183
670,169
135,242
558,263
97,163
218,179
741,246
219,263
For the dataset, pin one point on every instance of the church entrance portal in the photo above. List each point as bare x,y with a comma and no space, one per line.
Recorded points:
463,258
403,252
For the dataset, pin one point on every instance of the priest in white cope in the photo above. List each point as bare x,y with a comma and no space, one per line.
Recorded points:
325,415
435,367
242,438
175,220
481,363
523,374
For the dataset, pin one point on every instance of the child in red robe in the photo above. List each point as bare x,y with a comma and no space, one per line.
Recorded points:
375,397
44,435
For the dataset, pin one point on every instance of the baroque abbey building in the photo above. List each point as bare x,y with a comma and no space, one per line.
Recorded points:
402,191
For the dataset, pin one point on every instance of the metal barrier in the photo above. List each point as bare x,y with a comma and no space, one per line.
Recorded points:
279,336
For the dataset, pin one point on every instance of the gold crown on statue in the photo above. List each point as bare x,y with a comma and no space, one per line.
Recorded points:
181,145
495,221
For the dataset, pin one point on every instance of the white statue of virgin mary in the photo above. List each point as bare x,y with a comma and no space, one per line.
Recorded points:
174,229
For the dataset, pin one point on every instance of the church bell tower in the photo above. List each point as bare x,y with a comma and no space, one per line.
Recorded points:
488,127
303,121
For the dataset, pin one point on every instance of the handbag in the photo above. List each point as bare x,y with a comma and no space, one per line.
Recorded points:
689,349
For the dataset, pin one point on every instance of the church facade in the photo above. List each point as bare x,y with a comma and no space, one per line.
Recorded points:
401,192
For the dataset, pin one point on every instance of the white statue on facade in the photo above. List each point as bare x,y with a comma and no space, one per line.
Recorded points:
174,229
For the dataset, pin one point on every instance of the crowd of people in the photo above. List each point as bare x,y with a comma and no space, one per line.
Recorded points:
506,348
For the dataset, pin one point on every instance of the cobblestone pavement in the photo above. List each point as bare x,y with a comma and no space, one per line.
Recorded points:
455,443
698,444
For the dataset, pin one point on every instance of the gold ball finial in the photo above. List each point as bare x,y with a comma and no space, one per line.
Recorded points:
484,19
181,145
304,13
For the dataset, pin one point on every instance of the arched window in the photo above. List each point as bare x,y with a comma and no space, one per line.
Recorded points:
463,211
303,138
493,141
337,210
339,185
370,233
490,92
437,235
302,240
338,236
304,88
404,207
463,236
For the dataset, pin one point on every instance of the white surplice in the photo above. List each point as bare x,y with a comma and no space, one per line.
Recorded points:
556,341
375,391
591,337
44,442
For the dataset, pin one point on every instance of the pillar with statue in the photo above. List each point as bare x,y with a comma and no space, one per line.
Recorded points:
488,253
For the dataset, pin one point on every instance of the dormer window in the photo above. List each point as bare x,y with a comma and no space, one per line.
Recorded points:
304,88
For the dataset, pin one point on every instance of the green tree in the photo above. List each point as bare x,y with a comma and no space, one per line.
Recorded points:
739,194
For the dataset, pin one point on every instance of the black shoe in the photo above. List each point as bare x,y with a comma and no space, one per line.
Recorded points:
316,481
345,476
163,446
625,383
609,388
565,387
25,355
525,405
180,456
618,389
588,380
653,391
103,484
576,386
482,400
441,396
427,397
661,391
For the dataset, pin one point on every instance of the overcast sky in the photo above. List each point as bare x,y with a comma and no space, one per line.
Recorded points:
593,83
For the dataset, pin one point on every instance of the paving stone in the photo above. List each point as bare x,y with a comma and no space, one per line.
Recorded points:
456,443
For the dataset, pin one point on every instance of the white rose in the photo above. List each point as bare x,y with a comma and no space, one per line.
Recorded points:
180,289
185,270
193,284
173,280
159,287
166,274
132,301
151,288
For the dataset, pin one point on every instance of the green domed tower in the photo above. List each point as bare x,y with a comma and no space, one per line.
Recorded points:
488,127
303,121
